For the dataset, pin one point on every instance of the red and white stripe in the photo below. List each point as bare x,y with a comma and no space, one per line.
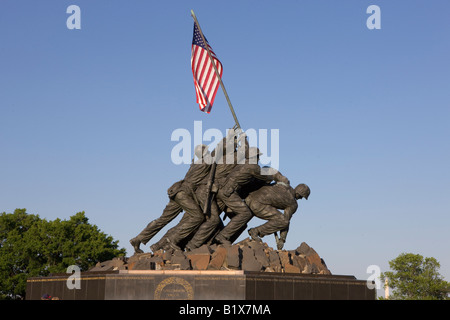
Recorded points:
205,79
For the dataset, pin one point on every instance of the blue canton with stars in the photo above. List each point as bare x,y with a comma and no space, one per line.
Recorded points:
197,38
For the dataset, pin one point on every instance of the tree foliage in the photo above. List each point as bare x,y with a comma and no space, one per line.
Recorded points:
31,246
415,278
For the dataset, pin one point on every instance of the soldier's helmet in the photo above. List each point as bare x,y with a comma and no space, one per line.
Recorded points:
201,150
303,190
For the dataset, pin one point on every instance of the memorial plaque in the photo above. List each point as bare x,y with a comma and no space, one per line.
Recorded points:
174,288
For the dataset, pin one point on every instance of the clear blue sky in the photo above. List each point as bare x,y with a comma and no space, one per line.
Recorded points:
86,116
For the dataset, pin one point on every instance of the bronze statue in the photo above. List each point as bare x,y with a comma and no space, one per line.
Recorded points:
219,182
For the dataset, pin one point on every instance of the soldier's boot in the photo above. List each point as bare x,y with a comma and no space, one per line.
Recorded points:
155,247
135,242
172,244
254,234
189,246
159,245
222,240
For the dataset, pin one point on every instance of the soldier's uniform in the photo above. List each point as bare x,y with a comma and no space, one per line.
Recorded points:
225,154
170,212
228,193
227,161
182,198
266,202
187,199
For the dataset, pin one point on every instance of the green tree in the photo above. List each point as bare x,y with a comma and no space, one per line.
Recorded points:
415,278
31,246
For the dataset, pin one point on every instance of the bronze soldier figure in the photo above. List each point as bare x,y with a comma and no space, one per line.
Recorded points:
227,161
182,197
225,155
228,193
266,202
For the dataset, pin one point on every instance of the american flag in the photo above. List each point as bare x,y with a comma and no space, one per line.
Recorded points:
205,78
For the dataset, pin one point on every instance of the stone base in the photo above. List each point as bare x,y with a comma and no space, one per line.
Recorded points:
200,285
247,255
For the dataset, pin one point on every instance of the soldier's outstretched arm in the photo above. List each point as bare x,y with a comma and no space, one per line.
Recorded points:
271,174
289,211
278,177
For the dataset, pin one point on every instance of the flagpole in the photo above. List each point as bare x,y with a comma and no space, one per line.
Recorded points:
238,126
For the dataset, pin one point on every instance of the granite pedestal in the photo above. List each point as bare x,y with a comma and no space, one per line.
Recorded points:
200,285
